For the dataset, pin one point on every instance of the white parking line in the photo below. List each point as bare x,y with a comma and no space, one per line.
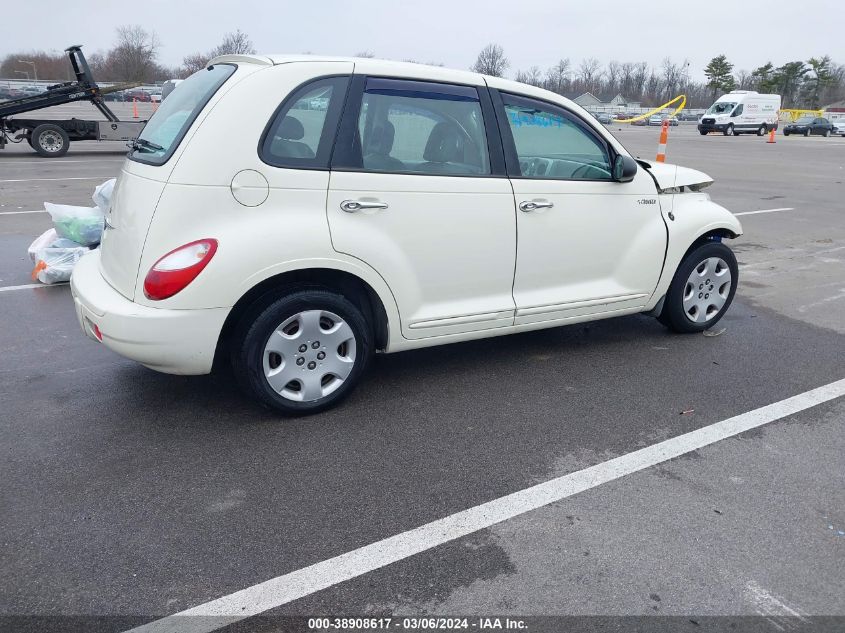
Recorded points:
765,211
59,179
308,580
27,286
20,212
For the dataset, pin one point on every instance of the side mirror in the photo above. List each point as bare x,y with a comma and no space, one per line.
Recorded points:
624,168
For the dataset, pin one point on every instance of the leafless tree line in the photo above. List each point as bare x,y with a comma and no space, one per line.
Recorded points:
817,82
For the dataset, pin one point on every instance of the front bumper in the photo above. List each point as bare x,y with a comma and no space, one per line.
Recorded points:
170,341
712,127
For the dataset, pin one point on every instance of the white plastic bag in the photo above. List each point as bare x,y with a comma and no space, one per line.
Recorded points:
55,265
102,195
83,225
42,241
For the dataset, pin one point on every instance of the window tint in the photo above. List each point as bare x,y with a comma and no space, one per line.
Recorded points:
166,128
422,127
553,144
302,131
738,110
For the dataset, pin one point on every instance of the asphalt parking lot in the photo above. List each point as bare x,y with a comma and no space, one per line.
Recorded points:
137,495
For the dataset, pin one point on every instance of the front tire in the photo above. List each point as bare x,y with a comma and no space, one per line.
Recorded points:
701,290
49,140
807,132
729,131
303,353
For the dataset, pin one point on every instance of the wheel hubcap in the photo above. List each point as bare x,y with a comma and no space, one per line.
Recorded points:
50,141
309,355
707,290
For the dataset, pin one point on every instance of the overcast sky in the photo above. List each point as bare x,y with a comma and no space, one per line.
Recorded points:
749,32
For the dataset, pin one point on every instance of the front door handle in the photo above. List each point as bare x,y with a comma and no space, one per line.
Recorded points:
532,205
351,206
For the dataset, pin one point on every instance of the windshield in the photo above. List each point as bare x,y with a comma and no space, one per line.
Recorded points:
165,129
804,120
722,107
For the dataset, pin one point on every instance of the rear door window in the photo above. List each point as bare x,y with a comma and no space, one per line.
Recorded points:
422,127
168,126
302,131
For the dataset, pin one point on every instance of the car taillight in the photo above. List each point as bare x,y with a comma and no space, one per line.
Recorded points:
173,272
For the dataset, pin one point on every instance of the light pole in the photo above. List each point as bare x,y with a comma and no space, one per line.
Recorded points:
34,70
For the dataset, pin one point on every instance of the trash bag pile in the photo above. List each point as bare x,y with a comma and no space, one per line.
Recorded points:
76,230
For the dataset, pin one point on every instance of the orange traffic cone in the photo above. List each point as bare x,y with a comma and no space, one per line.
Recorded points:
134,108
771,136
664,136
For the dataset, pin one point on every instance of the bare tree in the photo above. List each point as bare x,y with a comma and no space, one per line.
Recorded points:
365,54
557,77
194,62
533,76
674,76
133,57
614,72
744,80
589,72
491,61
234,43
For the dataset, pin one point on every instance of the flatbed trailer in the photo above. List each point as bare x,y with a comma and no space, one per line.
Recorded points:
51,138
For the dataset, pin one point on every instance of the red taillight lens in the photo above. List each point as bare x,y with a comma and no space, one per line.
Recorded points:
173,272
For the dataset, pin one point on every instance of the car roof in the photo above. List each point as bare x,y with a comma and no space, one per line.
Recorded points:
364,65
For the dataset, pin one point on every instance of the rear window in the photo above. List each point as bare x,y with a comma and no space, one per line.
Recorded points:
166,128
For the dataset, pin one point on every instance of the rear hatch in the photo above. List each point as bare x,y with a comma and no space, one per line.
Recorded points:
146,171
128,219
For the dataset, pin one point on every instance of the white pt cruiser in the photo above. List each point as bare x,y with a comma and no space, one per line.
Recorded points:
294,215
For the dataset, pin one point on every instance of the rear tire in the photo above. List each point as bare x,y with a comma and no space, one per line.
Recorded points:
762,131
297,336
701,290
49,140
826,133
703,132
785,133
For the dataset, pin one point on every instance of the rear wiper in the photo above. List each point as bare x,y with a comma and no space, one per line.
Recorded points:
143,145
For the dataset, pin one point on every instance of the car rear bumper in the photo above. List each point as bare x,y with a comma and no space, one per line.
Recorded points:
170,341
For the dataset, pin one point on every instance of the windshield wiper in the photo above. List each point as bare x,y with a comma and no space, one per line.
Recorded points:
143,145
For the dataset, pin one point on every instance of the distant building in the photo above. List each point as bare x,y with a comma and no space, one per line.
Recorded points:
606,101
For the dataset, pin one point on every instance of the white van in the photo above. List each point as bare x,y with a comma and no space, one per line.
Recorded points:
741,112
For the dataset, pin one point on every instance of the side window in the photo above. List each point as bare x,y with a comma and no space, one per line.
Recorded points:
422,127
738,110
553,144
302,130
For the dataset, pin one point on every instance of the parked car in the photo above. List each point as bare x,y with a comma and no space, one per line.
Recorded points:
155,95
689,116
604,117
640,122
809,125
423,206
655,119
137,95
29,91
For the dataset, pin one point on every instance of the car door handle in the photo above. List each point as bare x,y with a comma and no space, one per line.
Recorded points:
532,205
351,206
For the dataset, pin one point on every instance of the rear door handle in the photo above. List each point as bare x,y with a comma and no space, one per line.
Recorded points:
532,205
351,206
